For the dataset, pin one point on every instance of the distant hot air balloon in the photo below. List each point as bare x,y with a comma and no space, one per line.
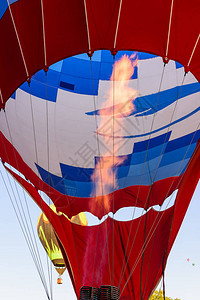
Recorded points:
50,242
193,264
93,140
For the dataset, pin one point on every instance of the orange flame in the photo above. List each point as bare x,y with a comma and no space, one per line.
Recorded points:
119,104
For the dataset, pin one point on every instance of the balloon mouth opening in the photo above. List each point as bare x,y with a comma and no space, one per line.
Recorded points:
126,214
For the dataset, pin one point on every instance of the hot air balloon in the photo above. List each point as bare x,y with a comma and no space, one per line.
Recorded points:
188,260
50,243
59,65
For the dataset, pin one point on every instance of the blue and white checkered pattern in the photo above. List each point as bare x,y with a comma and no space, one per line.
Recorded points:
159,137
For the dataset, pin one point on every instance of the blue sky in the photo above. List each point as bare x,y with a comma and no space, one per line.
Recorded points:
19,278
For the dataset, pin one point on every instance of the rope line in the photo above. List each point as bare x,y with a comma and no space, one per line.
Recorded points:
113,195
137,196
18,39
169,29
87,25
20,214
117,27
181,161
157,164
27,238
43,33
189,61
49,265
1,96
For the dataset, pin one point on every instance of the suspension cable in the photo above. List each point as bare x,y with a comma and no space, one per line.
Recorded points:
188,145
169,30
26,235
22,212
44,34
18,40
117,26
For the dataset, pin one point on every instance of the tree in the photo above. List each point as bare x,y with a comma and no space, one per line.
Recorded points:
158,295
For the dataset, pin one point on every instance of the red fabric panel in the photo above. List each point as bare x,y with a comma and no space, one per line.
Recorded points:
12,69
143,26
65,28
95,255
102,17
185,192
28,21
186,189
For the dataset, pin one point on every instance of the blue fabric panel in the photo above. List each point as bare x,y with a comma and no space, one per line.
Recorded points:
57,66
122,171
151,153
82,56
174,169
153,142
78,189
67,86
178,155
95,57
182,141
52,78
40,90
106,71
134,180
178,65
81,85
146,167
107,57
55,181
166,98
13,95
76,173
4,6
81,68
